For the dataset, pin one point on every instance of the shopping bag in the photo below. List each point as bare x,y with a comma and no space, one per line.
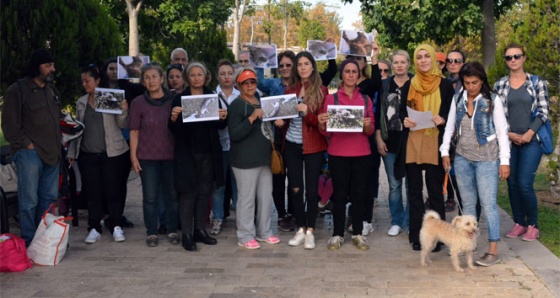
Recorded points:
13,255
49,245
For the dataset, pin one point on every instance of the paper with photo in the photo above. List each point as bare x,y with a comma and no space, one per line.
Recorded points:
344,118
423,119
356,43
263,56
279,107
130,67
198,108
108,100
321,50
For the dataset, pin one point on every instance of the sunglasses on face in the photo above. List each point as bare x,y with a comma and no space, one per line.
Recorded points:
288,65
384,70
456,61
249,82
516,57
243,61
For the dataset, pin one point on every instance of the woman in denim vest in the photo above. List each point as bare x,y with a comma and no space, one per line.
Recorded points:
482,150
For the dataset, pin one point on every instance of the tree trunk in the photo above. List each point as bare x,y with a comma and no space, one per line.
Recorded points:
133,11
488,33
238,12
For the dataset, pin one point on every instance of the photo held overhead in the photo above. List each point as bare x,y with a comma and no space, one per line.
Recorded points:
263,56
130,67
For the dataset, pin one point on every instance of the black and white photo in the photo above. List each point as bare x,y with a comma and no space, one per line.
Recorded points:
321,50
263,56
345,118
279,107
108,100
130,67
200,108
356,43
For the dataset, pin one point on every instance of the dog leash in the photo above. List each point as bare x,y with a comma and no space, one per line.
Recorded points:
445,181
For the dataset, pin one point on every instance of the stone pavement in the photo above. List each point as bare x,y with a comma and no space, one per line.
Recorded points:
389,269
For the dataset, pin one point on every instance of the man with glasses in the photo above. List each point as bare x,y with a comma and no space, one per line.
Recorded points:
244,58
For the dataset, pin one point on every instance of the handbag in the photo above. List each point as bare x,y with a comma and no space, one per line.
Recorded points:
48,247
276,161
13,255
544,134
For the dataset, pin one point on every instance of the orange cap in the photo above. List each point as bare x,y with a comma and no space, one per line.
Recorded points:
246,75
440,57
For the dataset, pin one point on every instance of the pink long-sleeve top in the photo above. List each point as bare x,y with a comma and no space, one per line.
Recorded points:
349,144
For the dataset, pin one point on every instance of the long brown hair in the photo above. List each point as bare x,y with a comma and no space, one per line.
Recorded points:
314,95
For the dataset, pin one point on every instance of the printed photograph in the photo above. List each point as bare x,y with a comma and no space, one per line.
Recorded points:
263,56
345,118
108,100
321,50
130,67
279,107
198,108
356,43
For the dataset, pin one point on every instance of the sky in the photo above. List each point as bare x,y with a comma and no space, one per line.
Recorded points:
348,12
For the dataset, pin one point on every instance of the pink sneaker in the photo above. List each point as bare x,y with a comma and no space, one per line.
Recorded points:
270,240
531,235
253,244
517,231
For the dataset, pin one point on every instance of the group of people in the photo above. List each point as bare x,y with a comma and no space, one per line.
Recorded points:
184,165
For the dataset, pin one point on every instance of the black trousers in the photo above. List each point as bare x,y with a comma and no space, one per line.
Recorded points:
193,204
101,184
434,184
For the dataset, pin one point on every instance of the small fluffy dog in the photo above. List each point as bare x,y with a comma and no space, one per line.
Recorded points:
459,236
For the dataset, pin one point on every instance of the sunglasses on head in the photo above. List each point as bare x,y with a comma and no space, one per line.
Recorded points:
287,65
243,61
516,57
451,61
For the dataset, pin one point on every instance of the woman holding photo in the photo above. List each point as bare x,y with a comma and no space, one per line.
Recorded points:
101,154
198,159
304,147
350,166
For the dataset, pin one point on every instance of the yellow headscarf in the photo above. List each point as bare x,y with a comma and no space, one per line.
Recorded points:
424,94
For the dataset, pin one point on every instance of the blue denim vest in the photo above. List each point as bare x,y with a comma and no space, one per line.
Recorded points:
483,121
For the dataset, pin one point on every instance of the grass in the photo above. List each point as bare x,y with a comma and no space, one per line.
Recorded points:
549,218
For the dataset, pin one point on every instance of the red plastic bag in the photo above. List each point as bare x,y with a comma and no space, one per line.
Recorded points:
13,255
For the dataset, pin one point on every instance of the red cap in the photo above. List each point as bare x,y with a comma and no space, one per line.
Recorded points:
246,75
440,57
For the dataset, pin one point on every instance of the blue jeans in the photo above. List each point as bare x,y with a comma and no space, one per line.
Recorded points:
37,190
219,193
479,179
157,185
399,212
524,161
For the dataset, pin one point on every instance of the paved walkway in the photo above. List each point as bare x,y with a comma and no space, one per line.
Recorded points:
389,269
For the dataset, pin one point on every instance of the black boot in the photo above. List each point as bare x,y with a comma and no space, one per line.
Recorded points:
188,242
200,235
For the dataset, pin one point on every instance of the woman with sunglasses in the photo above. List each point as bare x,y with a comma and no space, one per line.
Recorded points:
482,156
198,159
101,152
525,99
250,161
428,92
151,153
384,68
175,79
304,147
391,137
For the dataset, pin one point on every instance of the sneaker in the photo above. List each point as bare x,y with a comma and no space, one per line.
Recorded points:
488,260
360,242
449,205
173,238
532,234
309,240
395,230
368,228
216,227
270,240
298,239
118,234
152,241
285,224
516,231
253,244
335,243
93,236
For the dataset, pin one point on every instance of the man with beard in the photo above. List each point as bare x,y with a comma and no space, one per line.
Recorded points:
30,121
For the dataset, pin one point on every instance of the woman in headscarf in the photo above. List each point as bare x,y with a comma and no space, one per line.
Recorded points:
428,92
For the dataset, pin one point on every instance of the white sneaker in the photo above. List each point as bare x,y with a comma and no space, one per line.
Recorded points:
395,230
368,228
93,236
118,234
297,239
309,240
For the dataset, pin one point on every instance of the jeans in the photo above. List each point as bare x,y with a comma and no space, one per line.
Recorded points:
399,212
479,179
157,185
37,190
523,163
219,193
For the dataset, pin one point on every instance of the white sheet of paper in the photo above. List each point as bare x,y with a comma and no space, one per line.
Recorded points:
423,119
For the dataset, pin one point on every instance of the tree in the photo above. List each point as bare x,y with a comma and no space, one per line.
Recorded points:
77,33
406,23
238,12
286,11
133,9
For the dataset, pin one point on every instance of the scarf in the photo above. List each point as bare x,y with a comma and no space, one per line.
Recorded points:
424,93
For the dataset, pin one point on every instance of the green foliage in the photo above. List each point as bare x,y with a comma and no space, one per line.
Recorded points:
310,29
77,33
